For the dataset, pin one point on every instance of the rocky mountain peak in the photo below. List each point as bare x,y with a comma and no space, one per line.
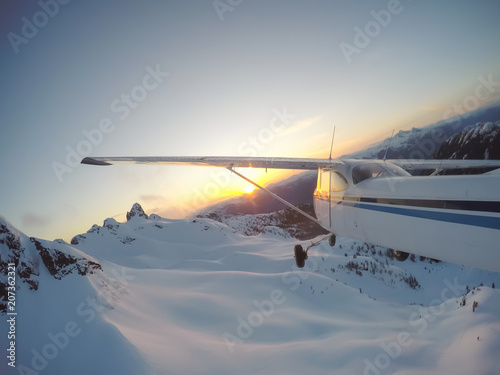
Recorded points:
136,211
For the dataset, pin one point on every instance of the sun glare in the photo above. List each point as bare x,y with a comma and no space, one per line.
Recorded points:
249,189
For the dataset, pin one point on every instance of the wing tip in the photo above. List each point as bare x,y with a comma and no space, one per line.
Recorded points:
92,161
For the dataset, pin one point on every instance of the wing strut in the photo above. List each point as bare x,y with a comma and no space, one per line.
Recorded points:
274,196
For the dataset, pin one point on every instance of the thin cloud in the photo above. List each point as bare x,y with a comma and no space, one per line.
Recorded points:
30,219
151,197
300,126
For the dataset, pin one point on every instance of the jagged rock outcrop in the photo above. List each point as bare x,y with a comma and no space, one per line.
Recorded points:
29,254
113,227
60,264
14,249
136,211
109,224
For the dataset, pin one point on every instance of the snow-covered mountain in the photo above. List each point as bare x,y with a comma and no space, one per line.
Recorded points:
479,141
32,256
422,143
159,296
53,296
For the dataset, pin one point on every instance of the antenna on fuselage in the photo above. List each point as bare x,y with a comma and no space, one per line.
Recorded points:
390,142
331,146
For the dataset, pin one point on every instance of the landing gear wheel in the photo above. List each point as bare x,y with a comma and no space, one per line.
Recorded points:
400,255
300,256
331,240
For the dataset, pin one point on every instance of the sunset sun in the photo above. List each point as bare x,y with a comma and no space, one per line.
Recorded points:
249,189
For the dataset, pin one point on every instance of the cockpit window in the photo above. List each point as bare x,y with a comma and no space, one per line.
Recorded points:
396,170
324,183
330,181
365,171
339,182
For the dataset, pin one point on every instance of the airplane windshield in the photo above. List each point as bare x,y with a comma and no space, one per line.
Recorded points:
396,170
339,182
330,181
365,171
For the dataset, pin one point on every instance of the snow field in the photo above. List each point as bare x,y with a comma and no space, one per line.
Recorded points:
194,297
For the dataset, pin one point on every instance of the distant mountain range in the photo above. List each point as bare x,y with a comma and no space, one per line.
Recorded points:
423,143
297,189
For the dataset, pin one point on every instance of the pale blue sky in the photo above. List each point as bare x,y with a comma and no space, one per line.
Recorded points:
220,79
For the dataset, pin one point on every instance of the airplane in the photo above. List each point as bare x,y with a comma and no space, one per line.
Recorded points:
454,218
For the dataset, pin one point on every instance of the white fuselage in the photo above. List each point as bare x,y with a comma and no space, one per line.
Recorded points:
451,218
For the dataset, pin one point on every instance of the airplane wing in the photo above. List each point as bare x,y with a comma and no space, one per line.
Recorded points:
418,164
284,163
218,161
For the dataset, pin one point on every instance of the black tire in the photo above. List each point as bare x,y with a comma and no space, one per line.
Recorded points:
332,240
300,256
400,255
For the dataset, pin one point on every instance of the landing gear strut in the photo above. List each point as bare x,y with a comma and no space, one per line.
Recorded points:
301,254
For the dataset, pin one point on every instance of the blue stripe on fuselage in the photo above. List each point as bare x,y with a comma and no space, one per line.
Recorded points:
450,217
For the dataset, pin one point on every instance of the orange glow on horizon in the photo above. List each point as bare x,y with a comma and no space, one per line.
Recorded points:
187,202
